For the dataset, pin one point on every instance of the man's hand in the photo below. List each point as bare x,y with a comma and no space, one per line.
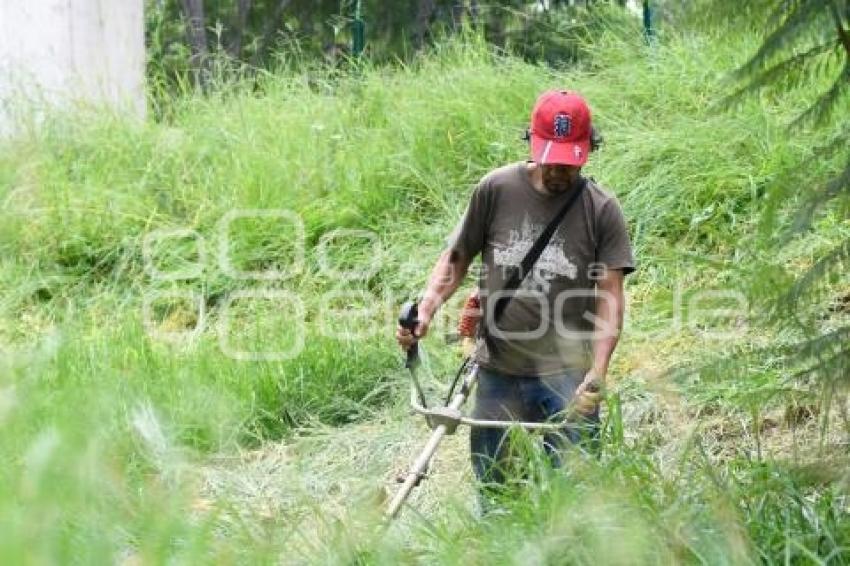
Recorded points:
610,306
446,277
406,339
590,390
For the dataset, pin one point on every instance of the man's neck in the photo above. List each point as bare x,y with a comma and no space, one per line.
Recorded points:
535,175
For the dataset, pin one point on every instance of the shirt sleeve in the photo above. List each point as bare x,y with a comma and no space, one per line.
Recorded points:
614,248
470,233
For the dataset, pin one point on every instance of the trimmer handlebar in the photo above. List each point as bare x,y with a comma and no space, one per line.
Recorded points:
408,318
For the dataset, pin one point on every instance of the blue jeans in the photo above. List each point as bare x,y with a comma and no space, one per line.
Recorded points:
531,399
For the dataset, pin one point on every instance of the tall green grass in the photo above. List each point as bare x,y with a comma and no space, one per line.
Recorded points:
104,419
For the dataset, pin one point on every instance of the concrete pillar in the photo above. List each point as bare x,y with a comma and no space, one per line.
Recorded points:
61,52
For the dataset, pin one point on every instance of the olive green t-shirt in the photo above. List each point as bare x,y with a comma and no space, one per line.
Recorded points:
548,326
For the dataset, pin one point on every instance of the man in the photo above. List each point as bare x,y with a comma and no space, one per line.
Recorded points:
556,336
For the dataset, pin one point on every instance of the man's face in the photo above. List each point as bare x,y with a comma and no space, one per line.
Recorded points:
559,178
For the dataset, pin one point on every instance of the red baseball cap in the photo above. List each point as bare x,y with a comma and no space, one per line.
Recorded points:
560,129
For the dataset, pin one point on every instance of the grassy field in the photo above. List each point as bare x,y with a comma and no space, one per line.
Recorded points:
161,404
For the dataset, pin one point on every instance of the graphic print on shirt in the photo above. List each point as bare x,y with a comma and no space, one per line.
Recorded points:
551,264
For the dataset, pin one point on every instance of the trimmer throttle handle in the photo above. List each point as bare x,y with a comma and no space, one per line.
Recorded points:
408,318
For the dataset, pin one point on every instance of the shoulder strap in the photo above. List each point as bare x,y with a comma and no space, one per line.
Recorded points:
527,263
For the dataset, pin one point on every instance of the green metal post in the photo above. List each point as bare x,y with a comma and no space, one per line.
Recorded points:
358,31
647,21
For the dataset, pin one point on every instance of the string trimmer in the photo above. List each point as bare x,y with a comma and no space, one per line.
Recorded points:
443,420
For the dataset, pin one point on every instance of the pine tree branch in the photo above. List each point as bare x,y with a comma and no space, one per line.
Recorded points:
803,17
821,352
815,347
793,68
830,190
823,107
843,35
833,362
840,141
831,262
794,176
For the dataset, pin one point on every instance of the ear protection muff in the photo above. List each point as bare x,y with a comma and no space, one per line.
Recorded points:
596,139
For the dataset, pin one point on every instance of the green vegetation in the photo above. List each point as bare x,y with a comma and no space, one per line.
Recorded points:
190,41
127,438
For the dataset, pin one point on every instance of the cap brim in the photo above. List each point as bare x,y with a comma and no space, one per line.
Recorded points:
549,152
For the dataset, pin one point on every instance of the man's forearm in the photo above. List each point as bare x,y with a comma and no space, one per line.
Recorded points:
446,277
610,308
603,349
